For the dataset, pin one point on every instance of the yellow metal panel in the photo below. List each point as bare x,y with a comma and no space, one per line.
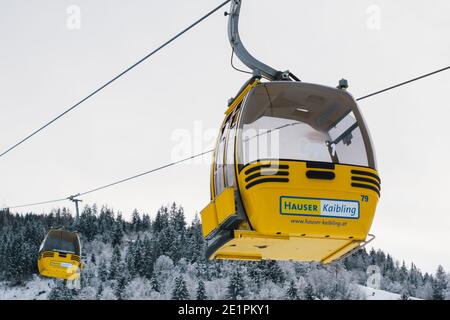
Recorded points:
225,206
209,219
241,97
241,257
290,219
250,245
59,267
342,251
293,207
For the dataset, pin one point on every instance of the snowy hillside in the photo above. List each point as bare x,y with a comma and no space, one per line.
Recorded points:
163,258
376,294
35,289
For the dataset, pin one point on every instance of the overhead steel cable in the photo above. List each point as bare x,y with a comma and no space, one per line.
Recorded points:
115,78
403,83
71,197
203,153
36,203
144,173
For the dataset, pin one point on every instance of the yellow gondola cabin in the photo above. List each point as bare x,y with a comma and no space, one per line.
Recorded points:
294,175
59,255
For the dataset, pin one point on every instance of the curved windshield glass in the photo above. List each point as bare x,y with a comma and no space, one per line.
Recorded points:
300,121
62,242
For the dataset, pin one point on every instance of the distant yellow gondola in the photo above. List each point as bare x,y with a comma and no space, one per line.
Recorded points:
59,255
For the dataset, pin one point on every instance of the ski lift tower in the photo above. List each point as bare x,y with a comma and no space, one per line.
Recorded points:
74,200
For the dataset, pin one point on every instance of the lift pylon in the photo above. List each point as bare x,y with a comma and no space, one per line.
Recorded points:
74,200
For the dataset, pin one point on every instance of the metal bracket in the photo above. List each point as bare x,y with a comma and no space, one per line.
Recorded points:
343,84
362,244
72,198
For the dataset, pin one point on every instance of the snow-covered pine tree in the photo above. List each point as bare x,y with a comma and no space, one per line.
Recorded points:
106,223
180,291
138,249
17,259
425,291
196,242
404,295
176,233
309,292
61,292
115,264
102,271
440,284
413,278
201,291
130,260
87,224
155,284
292,291
99,292
403,273
163,270
120,222
136,221
93,260
147,258
273,272
117,235
236,286
161,220
255,272
177,219
120,287
389,269
146,222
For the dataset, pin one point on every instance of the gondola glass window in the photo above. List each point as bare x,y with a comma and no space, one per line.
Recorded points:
229,155
219,161
300,121
224,174
61,242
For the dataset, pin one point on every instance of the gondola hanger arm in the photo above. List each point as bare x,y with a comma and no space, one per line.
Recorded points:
259,68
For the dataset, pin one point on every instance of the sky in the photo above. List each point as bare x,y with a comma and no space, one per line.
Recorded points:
55,52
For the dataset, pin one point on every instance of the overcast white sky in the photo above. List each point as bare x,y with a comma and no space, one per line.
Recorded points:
129,127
